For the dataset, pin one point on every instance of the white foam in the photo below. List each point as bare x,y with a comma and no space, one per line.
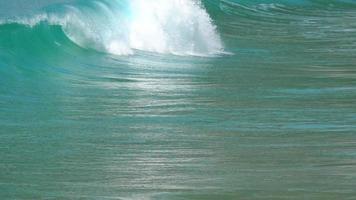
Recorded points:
180,27
173,26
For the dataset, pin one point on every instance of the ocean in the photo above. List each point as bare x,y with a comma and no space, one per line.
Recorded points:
178,99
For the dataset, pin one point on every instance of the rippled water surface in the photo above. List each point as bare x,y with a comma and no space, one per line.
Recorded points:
178,99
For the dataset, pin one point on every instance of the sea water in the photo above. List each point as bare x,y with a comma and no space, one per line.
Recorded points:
178,99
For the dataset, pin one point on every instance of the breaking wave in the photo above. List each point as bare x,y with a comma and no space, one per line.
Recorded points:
180,27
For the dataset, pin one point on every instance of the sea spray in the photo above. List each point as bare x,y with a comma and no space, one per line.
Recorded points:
180,27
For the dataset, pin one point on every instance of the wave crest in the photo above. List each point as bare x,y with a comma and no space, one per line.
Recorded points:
180,27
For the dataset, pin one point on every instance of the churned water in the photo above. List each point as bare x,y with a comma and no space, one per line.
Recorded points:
178,99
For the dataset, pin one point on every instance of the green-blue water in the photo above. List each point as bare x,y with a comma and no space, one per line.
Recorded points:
178,99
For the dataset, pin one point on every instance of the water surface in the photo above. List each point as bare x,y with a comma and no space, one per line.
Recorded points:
227,99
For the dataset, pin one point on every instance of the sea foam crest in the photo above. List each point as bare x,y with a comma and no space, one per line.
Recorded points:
180,27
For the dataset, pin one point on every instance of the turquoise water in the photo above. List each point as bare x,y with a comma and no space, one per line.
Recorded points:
178,99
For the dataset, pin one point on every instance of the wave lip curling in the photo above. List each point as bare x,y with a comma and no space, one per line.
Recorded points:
180,27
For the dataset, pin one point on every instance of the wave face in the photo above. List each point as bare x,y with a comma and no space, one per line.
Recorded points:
120,27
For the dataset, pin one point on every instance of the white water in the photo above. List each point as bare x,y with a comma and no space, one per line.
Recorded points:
180,27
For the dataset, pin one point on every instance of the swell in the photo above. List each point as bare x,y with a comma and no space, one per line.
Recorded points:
313,26
180,27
